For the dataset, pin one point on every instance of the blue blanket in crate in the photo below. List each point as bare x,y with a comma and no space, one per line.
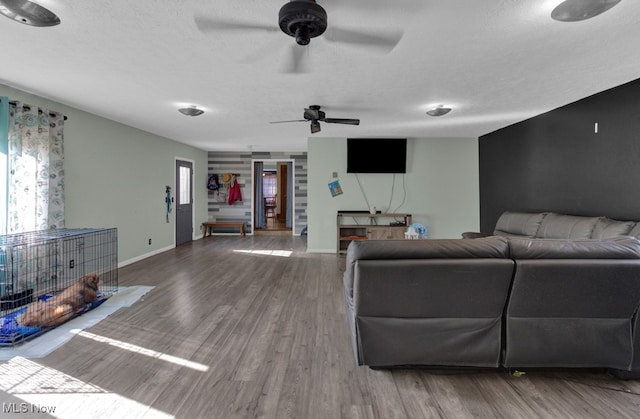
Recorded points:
11,332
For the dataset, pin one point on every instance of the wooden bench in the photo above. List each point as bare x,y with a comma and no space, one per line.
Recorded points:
209,225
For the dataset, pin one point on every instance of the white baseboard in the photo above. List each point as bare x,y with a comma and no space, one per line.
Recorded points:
144,256
164,249
321,250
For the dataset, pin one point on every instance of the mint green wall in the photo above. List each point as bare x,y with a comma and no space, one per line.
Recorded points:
441,188
116,177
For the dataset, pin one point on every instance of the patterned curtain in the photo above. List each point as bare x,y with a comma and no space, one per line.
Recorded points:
36,169
4,150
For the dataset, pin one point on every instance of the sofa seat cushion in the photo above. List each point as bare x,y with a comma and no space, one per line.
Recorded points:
635,231
518,224
625,247
607,228
561,226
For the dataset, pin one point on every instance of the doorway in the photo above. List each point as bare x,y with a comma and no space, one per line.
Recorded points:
272,211
184,202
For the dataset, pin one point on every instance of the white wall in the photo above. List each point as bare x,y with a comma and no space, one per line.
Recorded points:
441,186
116,177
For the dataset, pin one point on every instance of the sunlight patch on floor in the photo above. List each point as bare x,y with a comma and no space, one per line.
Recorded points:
282,253
143,351
46,390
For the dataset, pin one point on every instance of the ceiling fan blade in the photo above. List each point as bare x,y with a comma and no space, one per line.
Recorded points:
345,121
210,24
375,5
383,43
296,62
261,52
283,122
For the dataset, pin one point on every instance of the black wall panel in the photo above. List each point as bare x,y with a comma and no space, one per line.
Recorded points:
557,162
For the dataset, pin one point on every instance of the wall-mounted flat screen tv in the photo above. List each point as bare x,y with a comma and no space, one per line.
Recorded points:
376,155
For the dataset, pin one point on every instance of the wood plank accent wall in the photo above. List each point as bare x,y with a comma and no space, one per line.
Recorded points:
240,163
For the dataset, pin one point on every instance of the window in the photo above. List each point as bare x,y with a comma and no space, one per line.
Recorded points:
269,184
185,185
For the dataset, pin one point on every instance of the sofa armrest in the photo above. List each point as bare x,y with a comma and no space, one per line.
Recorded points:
473,235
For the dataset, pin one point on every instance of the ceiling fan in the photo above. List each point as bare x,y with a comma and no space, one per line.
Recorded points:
304,20
314,115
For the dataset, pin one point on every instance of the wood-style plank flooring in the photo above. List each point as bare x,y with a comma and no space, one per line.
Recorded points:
254,327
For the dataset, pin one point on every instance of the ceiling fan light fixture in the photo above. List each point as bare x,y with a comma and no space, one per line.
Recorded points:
315,126
191,111
577,10
438,111
28,13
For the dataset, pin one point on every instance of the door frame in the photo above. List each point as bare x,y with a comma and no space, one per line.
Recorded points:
293,191
193,198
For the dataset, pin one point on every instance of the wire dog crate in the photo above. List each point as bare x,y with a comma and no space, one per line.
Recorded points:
37,266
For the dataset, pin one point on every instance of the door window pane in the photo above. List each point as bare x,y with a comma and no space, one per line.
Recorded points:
185,186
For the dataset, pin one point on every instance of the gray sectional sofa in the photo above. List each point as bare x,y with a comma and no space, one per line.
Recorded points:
546,290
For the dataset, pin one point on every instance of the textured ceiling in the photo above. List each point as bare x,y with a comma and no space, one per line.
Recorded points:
495,62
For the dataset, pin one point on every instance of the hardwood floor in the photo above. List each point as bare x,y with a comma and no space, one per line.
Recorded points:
244,327
273,227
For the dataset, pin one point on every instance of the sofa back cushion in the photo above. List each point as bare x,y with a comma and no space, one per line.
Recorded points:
607,228
561,226
518,224
616,248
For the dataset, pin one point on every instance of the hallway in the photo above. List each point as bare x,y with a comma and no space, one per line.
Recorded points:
273,227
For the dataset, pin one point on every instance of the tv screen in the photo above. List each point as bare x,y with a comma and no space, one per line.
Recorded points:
376,155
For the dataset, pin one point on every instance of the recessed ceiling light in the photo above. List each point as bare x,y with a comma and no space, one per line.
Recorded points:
191,111
438,111
576,10
28,13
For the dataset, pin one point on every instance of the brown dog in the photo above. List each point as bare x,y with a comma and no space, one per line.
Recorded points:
62,306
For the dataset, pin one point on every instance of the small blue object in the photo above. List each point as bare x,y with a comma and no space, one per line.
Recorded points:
421,229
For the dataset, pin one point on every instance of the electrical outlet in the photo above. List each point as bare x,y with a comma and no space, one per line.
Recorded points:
149,241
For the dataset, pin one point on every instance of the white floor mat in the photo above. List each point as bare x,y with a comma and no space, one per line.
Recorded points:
46,343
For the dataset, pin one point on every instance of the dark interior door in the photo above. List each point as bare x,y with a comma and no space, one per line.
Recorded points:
184,202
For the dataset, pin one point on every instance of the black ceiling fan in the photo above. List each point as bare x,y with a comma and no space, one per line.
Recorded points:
304,20
314,115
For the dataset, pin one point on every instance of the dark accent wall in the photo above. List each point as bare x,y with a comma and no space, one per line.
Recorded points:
557,162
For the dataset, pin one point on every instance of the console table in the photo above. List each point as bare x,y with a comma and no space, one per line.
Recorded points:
367,226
